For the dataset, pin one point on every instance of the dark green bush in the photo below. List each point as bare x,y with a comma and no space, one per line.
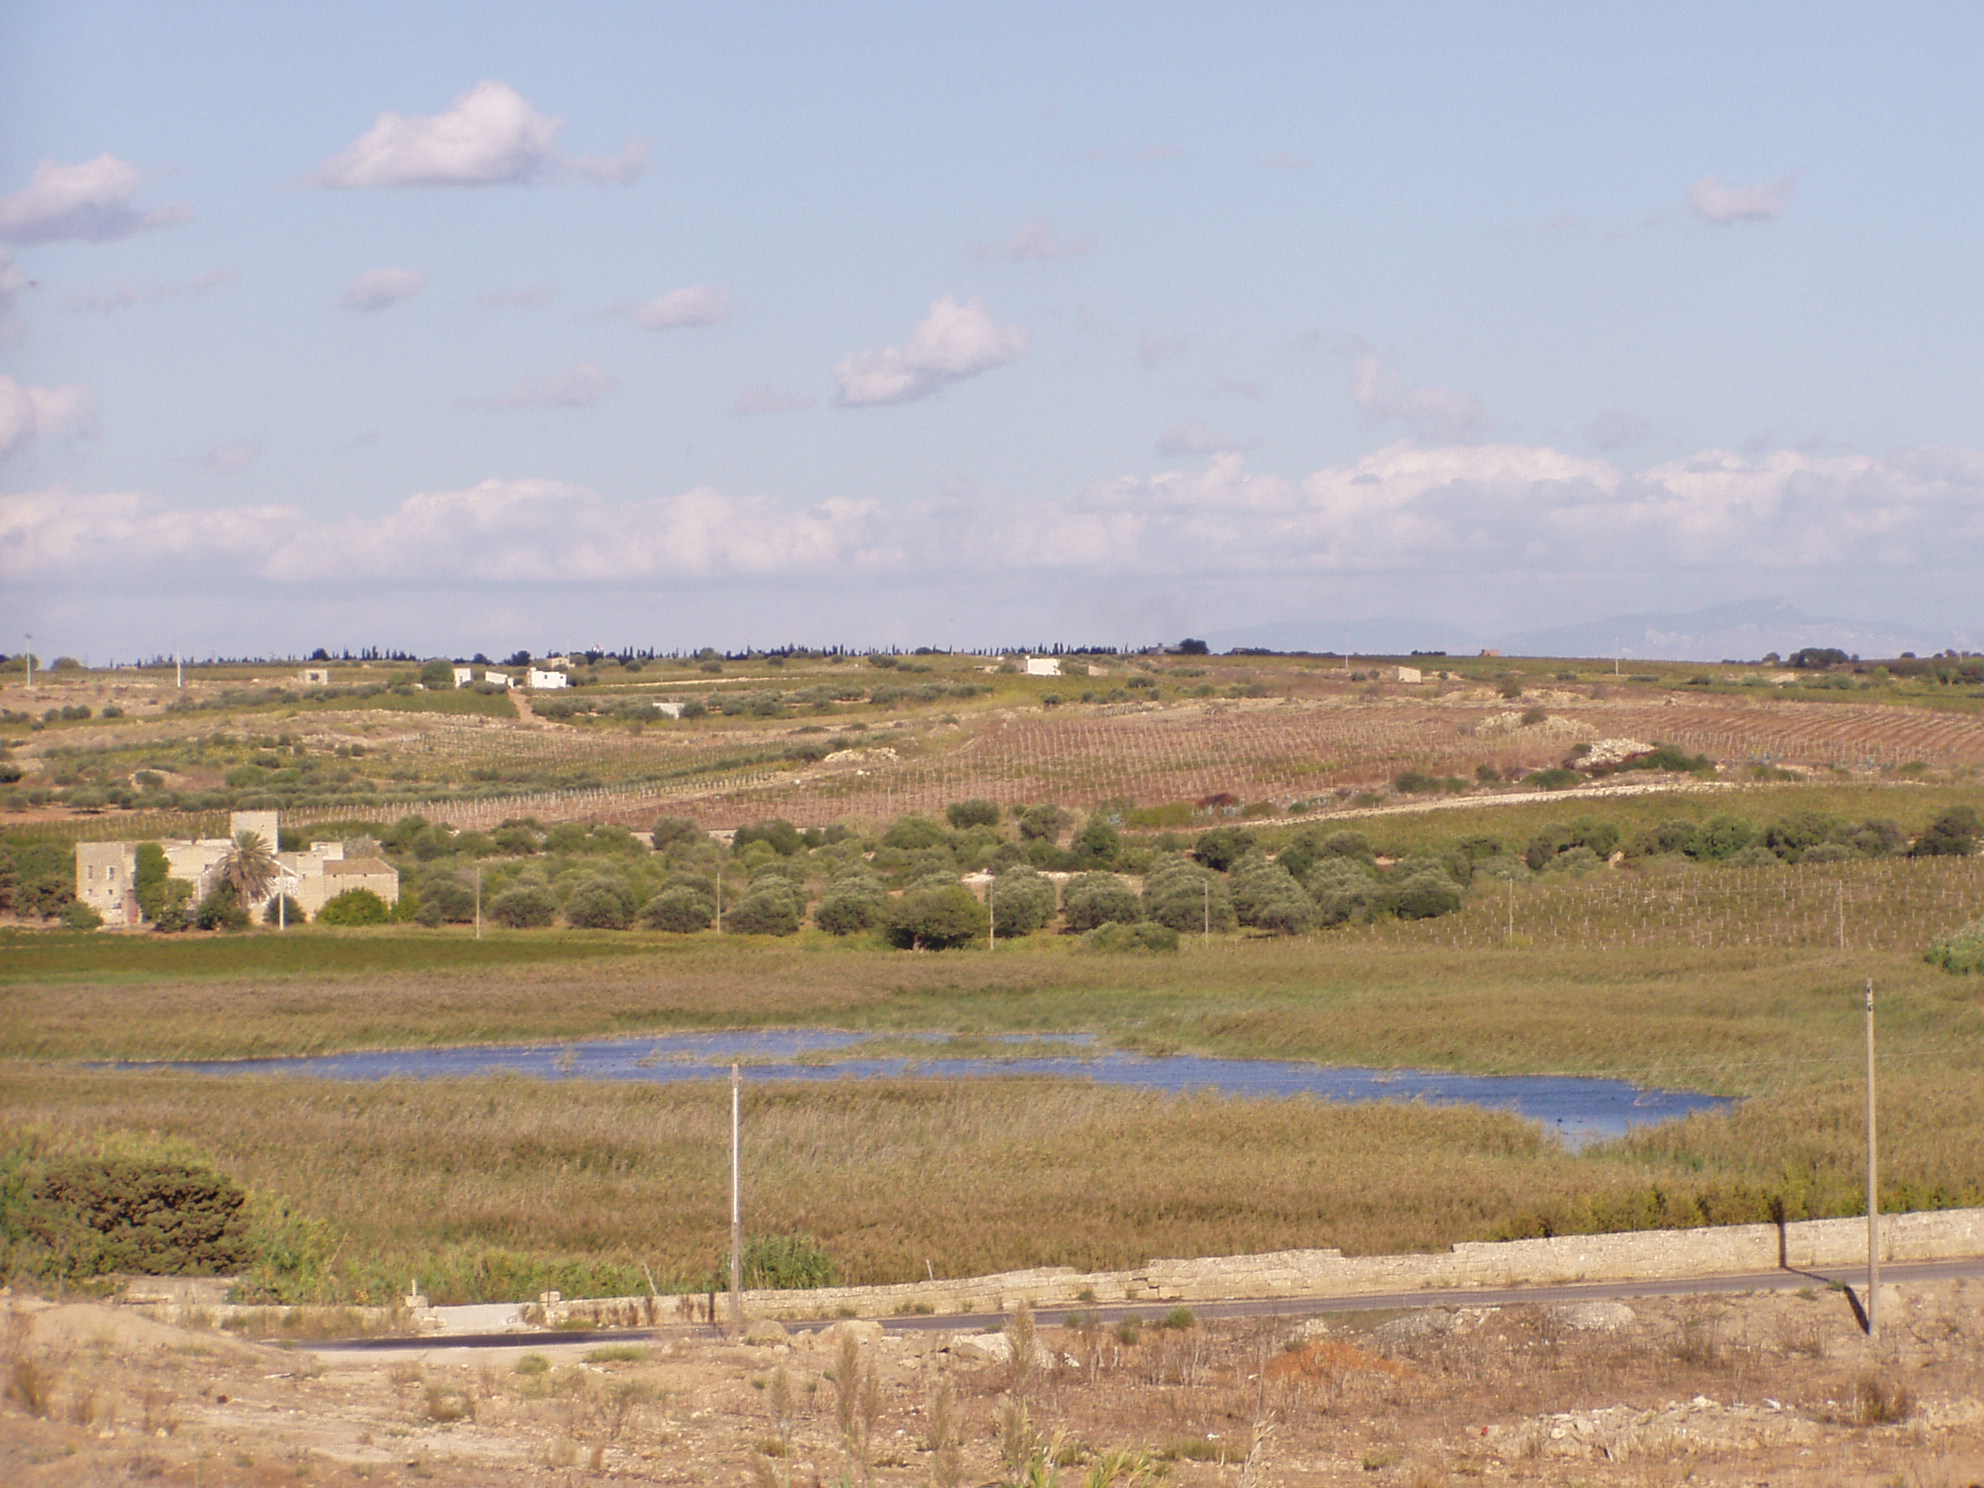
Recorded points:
964,815
782,836
771,906
935,918
1023,901
597,905
681,910
1954,834
526,907
1118,938
1961,951
1219,848
88,1217
1182,895
1099,899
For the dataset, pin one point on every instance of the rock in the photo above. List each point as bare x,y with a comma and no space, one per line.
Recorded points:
766,1331
995,1348
1594,1317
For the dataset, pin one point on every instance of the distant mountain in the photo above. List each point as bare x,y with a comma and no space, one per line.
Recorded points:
1386,635
1741,631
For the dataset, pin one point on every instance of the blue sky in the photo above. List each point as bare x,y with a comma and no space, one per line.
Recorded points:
475,327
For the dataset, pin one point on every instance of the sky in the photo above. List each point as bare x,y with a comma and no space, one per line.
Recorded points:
452,328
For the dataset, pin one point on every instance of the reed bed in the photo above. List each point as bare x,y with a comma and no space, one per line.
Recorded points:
495,1189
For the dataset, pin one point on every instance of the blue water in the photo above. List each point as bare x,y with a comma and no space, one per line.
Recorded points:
1579,1110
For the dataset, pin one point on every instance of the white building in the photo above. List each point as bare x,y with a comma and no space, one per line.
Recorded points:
501,679
315,676
540,680
464,675
1401,674
1043,666
671,706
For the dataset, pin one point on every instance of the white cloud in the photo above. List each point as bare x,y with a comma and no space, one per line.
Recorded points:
1195,437
1436,516
1034,241
1434,412
953,342
1714,202
378,288
28,413
490,135
230,458
123,294
694,305
578,387
764,398
87,202
615,170
1615,429
1154,350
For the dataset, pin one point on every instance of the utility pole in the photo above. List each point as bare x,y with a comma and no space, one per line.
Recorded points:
991,918
1510,933
478,901
179,671
1205,891
719,898
30,663
736,1204
1873,1187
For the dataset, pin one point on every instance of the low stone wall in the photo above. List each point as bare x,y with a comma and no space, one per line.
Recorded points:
1642,1255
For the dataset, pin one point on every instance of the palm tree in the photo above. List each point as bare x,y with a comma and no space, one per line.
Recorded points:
249,868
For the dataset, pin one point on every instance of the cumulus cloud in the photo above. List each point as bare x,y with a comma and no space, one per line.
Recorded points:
1721,205
489,136
764,398
1433,412
1194,437
577,387
952,342
1466,511
124,294
28,413
694,305
1035,241
378,288
87,202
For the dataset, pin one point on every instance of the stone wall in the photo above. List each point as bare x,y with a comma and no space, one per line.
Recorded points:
1643,1255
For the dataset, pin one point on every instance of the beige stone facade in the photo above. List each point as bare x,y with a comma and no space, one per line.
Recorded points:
106,872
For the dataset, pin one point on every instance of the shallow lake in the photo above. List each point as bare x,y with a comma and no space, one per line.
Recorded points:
1577,1109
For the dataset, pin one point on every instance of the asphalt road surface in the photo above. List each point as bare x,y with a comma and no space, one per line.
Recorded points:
1689,1286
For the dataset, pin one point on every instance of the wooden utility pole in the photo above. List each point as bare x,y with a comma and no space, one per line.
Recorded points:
1873,1186
736,1203
478,901
991,917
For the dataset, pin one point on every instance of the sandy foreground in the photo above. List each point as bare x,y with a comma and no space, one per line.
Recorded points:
1778,1389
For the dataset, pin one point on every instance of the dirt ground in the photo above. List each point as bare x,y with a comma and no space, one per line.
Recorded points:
1775,1389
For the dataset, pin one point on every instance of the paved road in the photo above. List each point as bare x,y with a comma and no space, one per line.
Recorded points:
1754,1281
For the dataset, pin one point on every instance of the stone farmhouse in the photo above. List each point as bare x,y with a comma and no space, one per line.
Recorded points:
106,872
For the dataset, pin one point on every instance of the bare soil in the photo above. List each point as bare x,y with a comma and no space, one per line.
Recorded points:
1779,1389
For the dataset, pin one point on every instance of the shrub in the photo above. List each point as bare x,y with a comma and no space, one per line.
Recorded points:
681,910
1022,901
1961,951
221,910
1720,838
80,916
1182,895
1425,896
1555,778
935,918
670,830
445,899
913,832
851,904
1344,891
1266,896
283,910
1044,823
526,907
771,906
964,815
782,836
94,1216
1954,834
1099,899
1118,938
784,1263
596,906
1221,847
1097,843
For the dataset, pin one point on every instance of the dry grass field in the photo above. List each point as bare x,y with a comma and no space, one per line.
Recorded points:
1720,1392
